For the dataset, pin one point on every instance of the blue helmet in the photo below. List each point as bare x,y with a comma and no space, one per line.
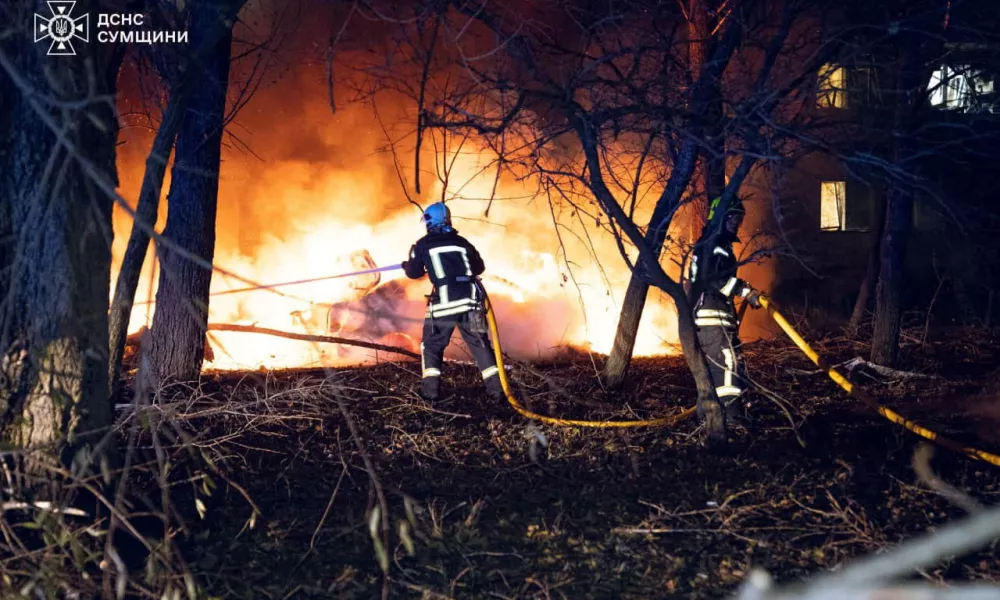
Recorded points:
437,216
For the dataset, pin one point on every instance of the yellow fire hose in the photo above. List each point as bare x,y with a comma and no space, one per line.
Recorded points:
498,353
667,421
849,387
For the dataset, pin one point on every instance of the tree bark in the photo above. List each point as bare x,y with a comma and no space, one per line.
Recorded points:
871,271
885,336
711,176
709,407
633,305
178,330
705,78
138,242
616,367
899,211
57,266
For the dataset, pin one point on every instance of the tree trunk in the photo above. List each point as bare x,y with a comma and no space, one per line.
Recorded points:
138,242
616,368
888,310
871,271
710,180
711,177
178,330
57,266
709,407
899,213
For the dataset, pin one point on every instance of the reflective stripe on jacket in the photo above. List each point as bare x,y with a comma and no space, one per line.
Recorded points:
715,276
452,264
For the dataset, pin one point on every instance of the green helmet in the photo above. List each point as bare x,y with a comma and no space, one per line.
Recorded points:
734,207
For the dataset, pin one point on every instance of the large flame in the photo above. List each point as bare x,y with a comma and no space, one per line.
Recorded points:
316,195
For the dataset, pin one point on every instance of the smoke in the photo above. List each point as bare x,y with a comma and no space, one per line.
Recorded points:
304,189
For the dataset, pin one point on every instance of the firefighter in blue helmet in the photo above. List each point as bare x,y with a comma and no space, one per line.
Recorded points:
714,286
453,265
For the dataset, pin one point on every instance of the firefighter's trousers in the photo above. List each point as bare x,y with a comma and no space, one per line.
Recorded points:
437,335
722,348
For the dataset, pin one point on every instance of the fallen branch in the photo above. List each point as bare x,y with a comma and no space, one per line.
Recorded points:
811,372
328,339
899,592
862,579
854,363
922,466
884,371
42,505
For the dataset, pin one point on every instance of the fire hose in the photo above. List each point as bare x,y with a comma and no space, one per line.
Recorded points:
778,318
884,411
521,410
836,376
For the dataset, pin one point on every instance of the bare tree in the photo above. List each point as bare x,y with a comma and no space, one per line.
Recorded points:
178,73
929,36
178,331
55,226
138,243
610,109
911,76
707,180
871,270
900,139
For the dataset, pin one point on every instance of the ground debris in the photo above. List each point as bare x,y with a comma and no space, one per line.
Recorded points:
493,506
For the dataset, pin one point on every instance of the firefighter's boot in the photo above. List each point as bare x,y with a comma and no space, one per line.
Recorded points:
430,388
494,388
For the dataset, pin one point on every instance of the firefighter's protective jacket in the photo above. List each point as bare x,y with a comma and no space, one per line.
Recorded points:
713,275
452,263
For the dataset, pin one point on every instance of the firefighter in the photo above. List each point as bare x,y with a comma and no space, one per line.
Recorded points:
714,286
453,265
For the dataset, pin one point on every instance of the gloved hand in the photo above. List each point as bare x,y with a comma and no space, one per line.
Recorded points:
754,299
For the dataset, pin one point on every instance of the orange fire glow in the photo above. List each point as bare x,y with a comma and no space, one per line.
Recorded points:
317,193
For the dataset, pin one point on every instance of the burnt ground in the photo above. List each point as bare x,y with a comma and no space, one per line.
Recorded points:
596,514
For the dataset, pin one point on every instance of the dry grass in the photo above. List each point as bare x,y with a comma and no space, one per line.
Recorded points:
483,504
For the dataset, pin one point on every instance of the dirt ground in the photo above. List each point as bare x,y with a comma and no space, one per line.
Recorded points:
484,504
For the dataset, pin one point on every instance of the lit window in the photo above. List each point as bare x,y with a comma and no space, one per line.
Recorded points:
832,87
833,206
958,87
